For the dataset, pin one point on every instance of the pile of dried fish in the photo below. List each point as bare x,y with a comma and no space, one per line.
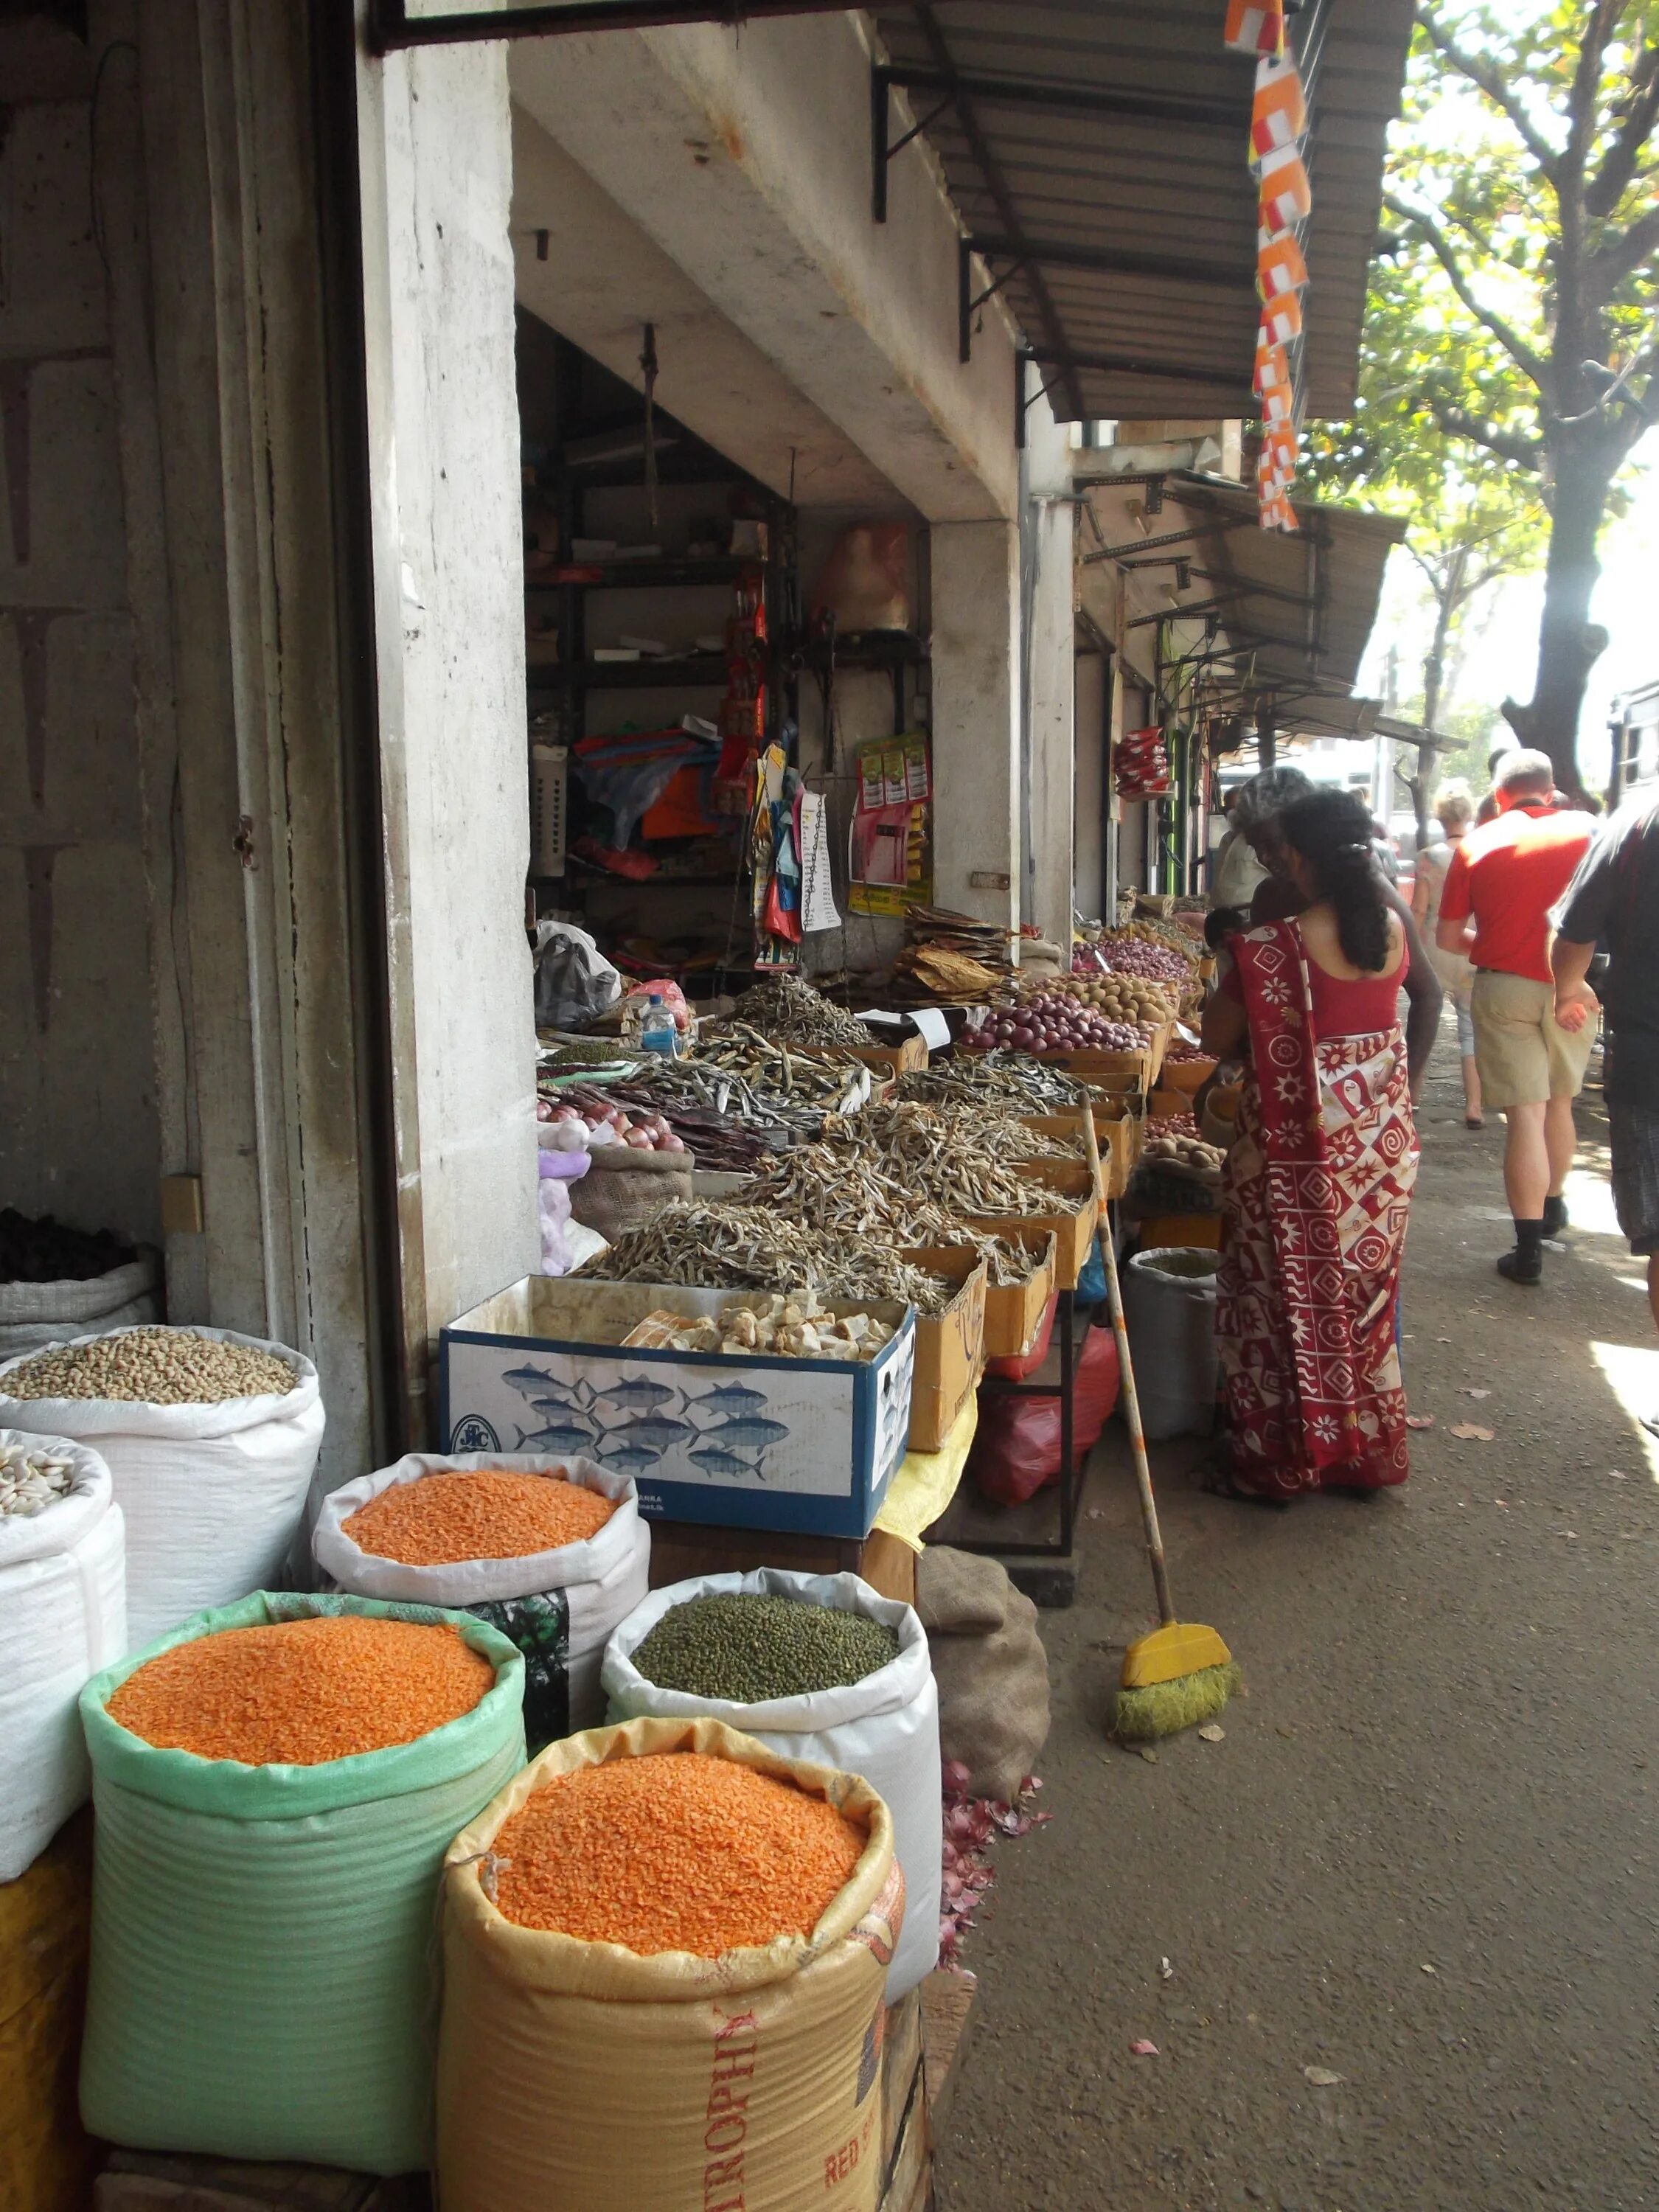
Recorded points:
842,1189
788,1010
788,1082
1011,1078
742,1247
799,1326
742,1077
906,1137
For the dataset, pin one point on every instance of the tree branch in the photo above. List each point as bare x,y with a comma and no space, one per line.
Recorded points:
1604,16
1526,453
1485,78
1619,166
1622,256
1506,334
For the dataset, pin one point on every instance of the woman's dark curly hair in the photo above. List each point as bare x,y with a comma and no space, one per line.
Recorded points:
1332,832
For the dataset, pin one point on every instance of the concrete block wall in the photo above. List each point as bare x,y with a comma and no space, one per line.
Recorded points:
78,1123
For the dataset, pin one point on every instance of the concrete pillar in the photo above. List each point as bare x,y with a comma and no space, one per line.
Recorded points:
1089,836
1049,594
434,141
977,718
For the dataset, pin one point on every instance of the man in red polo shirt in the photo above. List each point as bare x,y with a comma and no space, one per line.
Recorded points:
1503,881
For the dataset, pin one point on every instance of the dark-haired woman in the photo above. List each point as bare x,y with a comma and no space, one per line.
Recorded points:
1317,1187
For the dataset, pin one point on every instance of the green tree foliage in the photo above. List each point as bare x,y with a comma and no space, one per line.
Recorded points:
1512,337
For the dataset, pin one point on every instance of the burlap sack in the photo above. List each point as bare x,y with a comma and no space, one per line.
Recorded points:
581,2077
990,1666
626,1188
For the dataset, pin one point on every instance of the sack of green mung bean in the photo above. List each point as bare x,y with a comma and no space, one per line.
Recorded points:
210,1437
817,1667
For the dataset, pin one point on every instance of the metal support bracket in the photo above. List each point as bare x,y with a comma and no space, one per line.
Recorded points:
969,302
882,145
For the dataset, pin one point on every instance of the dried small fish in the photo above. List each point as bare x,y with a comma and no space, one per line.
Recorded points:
788,1009
746,1248
1014,1079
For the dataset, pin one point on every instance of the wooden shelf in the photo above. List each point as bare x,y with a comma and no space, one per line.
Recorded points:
670,573
690,671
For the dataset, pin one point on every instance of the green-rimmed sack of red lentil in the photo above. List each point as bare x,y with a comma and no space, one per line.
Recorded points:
551,1551
664,1954
275,1785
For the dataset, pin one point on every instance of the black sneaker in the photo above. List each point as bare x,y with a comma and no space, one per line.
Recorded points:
1555,1216
1519,1267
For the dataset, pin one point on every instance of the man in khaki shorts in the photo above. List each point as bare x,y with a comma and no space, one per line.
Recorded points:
1503,881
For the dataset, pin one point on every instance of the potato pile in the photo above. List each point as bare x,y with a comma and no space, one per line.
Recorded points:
1173,1141
1131,998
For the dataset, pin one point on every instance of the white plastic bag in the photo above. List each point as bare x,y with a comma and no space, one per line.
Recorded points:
558,1607
63,1619
885,1727
212,1495
33,1315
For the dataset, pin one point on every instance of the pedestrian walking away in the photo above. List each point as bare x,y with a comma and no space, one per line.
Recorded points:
1503,882
1455,812
1615,896
1318,1186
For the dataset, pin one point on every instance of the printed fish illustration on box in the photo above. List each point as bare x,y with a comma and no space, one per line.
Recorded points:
738,1440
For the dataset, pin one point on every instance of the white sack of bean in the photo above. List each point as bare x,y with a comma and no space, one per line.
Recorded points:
499,1547
212,1438
63,1619
882,1725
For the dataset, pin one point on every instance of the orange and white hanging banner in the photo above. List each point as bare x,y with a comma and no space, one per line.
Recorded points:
1280,267
1286,197
1257,26
1281,319
1279,116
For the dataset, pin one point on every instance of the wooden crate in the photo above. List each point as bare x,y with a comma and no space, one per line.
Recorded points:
681,1549
920,2072
46,2159
145,2181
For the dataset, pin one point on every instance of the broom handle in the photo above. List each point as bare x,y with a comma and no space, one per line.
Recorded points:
1131,1399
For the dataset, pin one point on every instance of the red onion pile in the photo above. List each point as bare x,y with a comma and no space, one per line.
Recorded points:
1055,1022
1138,956
589,1129
1180,1052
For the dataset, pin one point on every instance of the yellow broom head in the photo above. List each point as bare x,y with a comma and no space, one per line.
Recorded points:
1173,1679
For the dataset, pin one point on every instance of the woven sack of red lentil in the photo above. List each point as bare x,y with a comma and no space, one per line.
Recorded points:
885,1727
577,2076
262,1977
559,1607
214,1495
62,1617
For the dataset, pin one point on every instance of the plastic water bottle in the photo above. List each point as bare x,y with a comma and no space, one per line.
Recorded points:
657,1030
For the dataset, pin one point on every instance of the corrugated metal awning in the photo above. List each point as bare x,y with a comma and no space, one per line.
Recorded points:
1096,150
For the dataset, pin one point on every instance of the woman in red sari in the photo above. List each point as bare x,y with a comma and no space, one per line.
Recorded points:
1318,1185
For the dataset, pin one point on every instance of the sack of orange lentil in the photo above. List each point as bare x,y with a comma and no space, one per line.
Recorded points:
665,1954
882,1725
275,1785
553,1553
212,1438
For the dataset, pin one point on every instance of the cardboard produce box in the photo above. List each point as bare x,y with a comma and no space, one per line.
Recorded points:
1013,1311
1115,1071
1185,1075
1117,1135
950,1349
748,1441
1073,1231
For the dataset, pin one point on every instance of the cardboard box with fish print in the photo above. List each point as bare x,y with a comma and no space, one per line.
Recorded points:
755,1442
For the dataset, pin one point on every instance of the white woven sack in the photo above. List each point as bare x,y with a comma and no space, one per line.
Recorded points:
36,1314
599,1581
63,1619
212,1494
885,1727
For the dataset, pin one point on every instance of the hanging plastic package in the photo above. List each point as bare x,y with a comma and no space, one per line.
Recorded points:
262,1981
560,1607
62,1617
885,1727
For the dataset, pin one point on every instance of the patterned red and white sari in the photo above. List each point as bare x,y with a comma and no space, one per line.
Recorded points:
1316,1194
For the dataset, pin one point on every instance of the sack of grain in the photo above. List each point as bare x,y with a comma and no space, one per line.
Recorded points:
62,1617
36,1314
213,1487
577,2075
262,1953
624,1188
883,1727
558,1604
990,1666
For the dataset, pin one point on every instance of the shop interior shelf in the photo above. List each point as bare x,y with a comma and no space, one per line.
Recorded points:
642,575
686,669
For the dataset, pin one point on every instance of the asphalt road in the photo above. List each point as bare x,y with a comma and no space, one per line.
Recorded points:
1424,1857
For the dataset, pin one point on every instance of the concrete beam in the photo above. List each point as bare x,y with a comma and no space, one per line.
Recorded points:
746,158
589,271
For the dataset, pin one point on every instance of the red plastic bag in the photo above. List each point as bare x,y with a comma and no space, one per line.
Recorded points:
1016,1450
1017,1367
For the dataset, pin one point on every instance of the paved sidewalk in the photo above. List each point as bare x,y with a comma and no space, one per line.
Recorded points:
1424,1857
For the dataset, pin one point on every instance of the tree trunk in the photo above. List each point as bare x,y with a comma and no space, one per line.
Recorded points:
1449,593
1569,643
